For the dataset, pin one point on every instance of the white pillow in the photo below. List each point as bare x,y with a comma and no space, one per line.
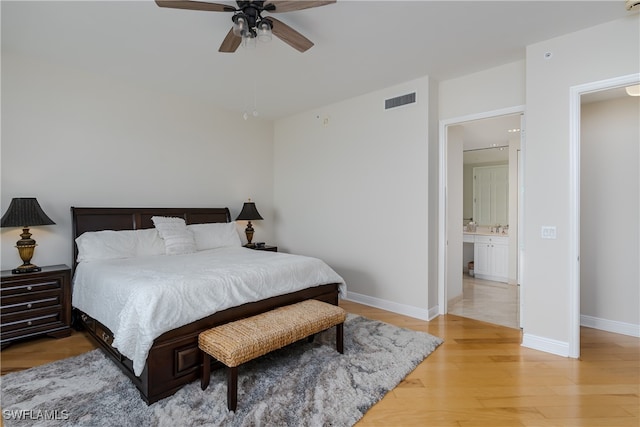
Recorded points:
173,230
215,235
112,244
149,242
106,244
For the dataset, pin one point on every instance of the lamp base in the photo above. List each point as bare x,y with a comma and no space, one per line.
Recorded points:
249,233
26,268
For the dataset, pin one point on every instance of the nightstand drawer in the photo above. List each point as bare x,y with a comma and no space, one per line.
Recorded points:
27,286
24,321
25,303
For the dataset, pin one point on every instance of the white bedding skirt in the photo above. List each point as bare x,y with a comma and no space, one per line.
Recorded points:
139,299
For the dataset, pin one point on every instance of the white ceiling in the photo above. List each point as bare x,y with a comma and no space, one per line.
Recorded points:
360,46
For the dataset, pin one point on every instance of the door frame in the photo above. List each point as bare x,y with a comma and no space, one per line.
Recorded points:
442,192
576,93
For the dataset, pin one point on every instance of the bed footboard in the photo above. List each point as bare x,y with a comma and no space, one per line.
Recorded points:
174,359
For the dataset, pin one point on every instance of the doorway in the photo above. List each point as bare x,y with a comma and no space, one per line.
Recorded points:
611,310
473,135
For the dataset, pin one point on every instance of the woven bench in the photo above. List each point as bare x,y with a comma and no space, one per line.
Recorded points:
238,342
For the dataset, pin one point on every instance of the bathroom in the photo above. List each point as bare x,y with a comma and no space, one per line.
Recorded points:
491,152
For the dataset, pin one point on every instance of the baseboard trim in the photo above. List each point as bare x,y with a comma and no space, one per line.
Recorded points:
547,345
394,307
610,325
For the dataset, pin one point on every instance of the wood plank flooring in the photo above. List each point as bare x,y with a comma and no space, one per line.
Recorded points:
480,376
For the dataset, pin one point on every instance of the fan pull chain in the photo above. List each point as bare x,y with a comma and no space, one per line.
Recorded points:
254,113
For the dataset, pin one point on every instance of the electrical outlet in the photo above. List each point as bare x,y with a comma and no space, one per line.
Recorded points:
548,232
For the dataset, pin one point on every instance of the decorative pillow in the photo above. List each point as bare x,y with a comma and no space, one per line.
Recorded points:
106,244
149,242
215,235
173,230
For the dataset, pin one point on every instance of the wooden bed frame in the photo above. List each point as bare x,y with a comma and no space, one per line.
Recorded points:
174,359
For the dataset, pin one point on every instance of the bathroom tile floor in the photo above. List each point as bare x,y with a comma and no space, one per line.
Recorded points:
488,301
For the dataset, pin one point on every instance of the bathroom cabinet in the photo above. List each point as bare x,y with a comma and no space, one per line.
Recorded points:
491,258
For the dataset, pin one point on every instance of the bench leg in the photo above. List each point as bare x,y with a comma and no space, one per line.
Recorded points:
206,370
340,338
232,388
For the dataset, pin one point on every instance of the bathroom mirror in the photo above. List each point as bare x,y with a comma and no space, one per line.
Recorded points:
486,197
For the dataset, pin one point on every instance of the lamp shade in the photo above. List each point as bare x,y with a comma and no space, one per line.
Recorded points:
24,212
248,212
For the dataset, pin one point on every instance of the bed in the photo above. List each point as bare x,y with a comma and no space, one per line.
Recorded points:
173,358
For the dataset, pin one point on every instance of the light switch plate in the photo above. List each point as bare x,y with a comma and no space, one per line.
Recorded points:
548,232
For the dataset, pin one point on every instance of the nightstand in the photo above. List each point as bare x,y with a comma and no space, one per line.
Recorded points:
265,248
34,304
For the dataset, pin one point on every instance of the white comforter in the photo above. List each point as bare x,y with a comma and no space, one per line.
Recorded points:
139,299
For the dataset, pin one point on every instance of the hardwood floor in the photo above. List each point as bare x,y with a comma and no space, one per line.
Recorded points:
480,376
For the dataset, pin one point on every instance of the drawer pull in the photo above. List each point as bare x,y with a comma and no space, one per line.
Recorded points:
29,323
29,305
84,317
105,337
29,288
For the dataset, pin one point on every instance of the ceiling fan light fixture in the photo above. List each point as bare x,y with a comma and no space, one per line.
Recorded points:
264,31
249,40
248,23
239,24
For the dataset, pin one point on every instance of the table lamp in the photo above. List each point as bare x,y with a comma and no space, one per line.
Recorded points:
25,212
249,213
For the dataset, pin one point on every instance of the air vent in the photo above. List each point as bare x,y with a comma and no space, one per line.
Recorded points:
398,101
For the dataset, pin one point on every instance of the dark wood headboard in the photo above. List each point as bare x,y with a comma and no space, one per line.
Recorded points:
97,219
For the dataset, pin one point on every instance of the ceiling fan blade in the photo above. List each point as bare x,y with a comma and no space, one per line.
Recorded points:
195,5
289,35
230,43
291,5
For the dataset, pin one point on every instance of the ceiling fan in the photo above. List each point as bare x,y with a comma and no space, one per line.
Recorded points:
249,24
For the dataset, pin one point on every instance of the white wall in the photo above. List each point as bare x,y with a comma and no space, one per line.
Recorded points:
75,139
610,211
488,90
433,202
598,53
351,187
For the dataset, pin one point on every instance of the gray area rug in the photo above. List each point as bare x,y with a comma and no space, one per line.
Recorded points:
304,384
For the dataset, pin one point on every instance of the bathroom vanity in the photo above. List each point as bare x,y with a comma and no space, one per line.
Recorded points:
490,254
